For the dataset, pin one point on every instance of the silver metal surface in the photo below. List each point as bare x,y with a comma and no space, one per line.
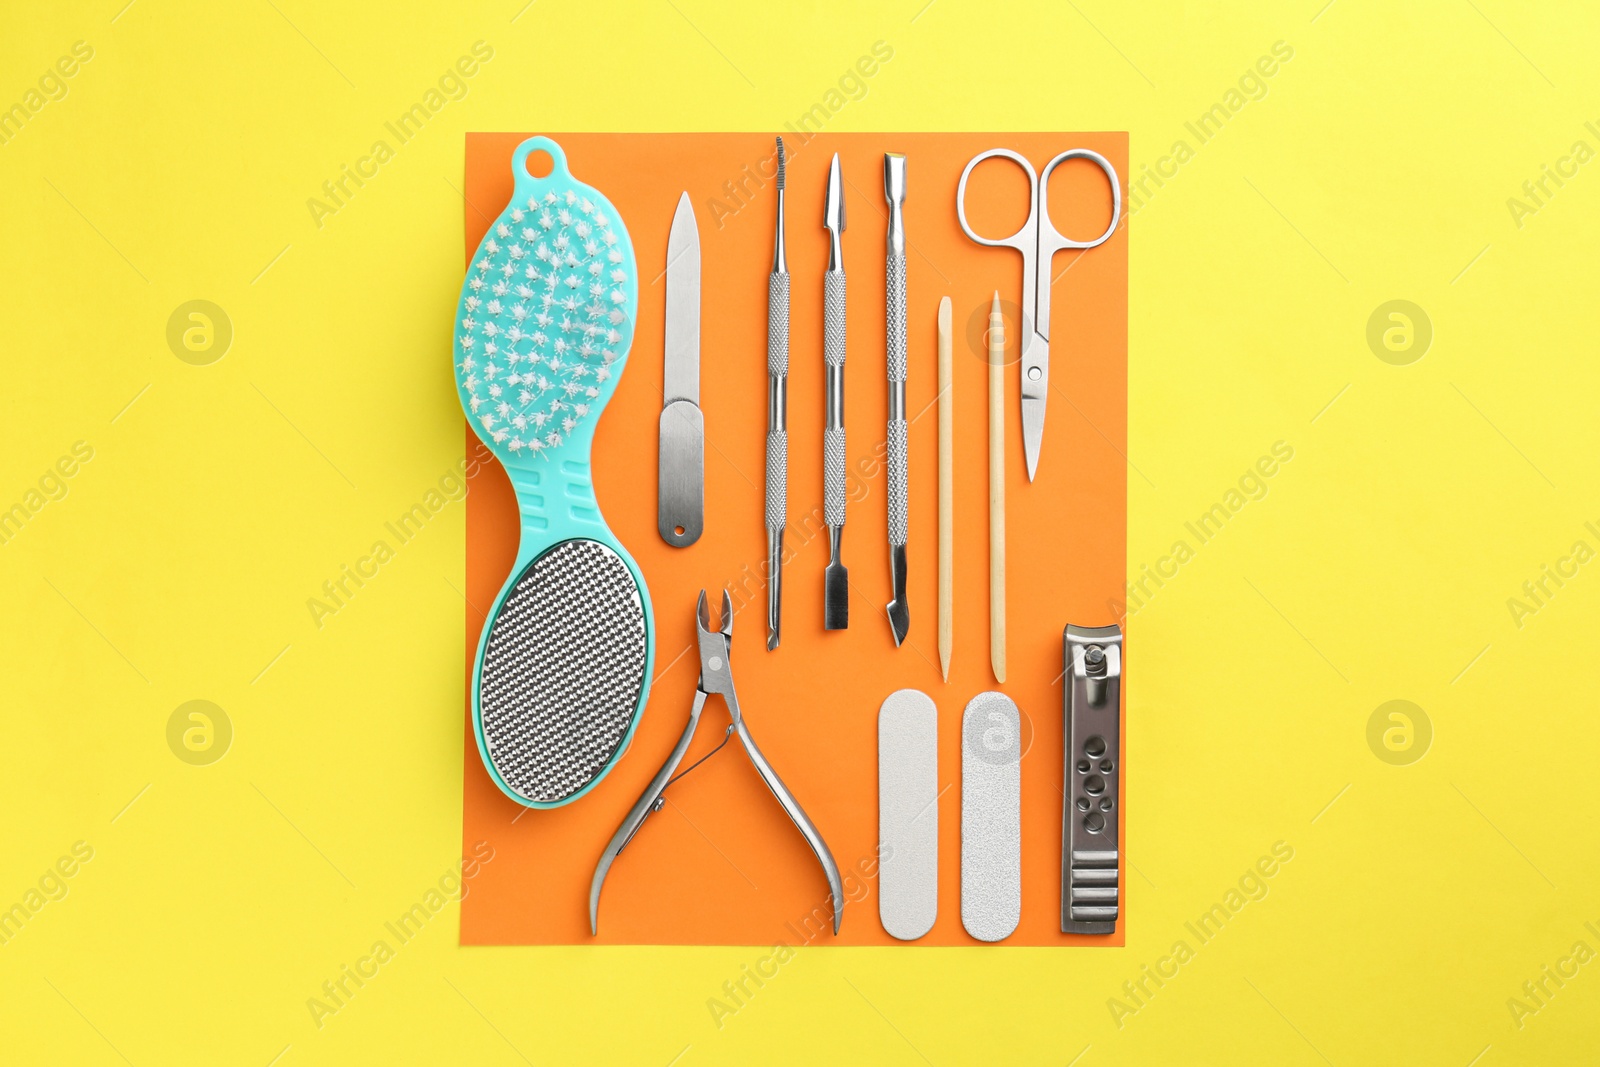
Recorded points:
777,511
563,670
716,678
836,578
894,191
1092,797
1038,241
680,472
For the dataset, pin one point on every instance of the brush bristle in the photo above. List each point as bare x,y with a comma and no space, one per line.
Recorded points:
780,164
543,326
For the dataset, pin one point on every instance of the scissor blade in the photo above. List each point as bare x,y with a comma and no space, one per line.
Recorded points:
682,377
1032,431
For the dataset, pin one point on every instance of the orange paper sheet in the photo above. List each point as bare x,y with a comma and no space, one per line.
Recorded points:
720,863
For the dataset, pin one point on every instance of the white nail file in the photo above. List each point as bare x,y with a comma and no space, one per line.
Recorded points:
908,814
991,817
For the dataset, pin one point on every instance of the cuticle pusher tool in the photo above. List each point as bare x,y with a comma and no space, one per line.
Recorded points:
836,579
894,191
716,677
777,511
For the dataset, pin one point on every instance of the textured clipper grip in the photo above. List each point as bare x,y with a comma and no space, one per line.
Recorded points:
777,479
896,299
833,477
778,324
833,318
897,481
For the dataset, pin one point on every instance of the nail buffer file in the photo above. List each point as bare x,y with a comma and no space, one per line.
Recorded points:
991,817
908,814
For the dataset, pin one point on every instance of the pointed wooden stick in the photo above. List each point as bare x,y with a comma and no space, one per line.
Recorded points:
997,491
947,522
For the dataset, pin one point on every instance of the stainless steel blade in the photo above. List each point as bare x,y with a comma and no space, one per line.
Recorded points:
682,381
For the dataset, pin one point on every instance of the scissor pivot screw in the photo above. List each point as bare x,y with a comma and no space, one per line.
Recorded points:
660,803
715,663
1033,374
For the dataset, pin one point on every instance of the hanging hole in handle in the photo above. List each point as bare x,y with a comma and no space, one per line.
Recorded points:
677,531
539,164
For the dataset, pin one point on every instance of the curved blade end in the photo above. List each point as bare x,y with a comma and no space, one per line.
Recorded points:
594,896
1032,433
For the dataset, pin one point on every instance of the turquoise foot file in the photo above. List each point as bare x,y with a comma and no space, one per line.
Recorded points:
542,335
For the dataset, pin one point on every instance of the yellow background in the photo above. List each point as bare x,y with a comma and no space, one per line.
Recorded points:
1377,567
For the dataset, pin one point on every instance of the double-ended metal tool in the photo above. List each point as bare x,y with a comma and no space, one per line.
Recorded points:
894,191
777,420
716,677
836,580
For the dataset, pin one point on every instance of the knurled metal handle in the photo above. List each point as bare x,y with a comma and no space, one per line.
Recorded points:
778,324
895,275
897,481
833,318
777,479
833,440
833,477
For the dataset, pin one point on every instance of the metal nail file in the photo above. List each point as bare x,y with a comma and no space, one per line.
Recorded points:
680,475
777,420
836,579
1089,853
894,191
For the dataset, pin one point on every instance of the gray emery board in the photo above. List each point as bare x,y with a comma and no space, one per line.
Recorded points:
908,814
991,817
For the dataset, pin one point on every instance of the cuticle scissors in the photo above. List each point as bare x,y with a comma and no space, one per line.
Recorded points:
1038,240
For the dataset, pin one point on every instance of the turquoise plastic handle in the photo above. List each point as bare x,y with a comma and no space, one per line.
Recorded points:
532,395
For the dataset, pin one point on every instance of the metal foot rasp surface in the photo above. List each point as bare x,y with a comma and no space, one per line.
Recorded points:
991,817
543,330
908,814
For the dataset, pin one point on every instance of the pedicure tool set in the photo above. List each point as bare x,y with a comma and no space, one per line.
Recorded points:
544,326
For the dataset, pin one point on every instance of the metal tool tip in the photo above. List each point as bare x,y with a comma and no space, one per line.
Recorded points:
899,621
894,177
780,164
833,216
836,598
995,307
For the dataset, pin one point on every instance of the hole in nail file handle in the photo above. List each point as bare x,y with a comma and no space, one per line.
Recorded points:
908,814
991,817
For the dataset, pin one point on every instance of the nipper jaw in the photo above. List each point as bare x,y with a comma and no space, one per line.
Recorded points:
716,677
